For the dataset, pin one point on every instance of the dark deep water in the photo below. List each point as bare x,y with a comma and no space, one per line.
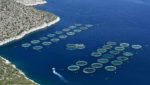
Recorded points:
113,20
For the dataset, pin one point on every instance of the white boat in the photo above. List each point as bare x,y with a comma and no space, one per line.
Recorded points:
53,69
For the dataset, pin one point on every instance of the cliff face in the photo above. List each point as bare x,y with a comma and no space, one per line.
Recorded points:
31,2
16,18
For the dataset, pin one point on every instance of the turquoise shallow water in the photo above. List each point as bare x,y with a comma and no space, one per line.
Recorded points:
114,20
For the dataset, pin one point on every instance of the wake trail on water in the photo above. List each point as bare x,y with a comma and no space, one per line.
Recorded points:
60,76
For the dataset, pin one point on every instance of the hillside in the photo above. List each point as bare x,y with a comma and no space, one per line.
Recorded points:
17,18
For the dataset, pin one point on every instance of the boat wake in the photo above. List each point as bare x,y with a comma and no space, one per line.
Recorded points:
59,75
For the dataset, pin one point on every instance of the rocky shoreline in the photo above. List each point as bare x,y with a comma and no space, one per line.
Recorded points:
6,77
18,20
29,31
31,2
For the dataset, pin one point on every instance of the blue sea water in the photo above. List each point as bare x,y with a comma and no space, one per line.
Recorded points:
113,20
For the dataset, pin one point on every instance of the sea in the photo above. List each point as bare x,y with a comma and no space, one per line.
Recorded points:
121,21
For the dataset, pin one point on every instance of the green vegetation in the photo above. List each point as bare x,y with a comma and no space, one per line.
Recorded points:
9,75
16,18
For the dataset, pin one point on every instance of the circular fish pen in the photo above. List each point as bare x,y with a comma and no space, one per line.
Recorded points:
114,52
46,43
107,47
96,54
73,68
63,36
128,54
101,50
66,29
55,40
78,24
43,38
37,47
122,58
89,70
77,30
124,44
89,25
119,48
80,46
51,35
70,33
136,46
83,28
26,45
110,68
72,27
81,63
71,47
116,62
108,56
103,60
58,32
35,41
96,65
